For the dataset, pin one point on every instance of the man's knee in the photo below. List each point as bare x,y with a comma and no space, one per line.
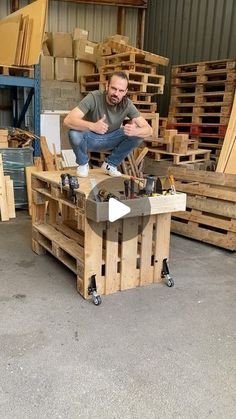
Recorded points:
75,137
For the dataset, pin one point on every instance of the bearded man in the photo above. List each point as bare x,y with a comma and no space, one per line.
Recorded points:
96,124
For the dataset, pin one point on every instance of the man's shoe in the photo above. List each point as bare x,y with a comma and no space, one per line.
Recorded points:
83,170
110,170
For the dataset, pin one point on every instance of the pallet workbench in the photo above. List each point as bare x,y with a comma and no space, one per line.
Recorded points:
123,254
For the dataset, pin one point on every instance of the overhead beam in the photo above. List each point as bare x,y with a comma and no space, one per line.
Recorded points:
119,3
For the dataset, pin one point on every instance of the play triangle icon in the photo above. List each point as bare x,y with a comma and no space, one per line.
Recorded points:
116,209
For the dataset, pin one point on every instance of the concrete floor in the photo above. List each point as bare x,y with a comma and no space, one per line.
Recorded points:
149,353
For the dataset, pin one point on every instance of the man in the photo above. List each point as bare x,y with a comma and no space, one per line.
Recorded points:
95,125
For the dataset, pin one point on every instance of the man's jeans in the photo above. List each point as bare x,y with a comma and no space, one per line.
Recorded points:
120,144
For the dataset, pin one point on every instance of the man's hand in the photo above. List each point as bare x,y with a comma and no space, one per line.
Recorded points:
100,127
130,129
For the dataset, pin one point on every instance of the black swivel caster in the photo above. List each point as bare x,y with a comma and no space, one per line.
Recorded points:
166,274
92,290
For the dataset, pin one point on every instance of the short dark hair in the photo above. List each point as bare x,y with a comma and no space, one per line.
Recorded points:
120,74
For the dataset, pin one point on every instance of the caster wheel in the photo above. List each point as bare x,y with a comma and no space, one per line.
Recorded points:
170,282
97,300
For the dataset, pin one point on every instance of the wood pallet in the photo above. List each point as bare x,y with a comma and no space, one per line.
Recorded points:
135,53
211,207
7,202
204,67
195,109
17,71
224,87
129,66
190,119
190,157
210,78
202,99
79,235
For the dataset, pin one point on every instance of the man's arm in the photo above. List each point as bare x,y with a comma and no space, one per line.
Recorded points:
138,127
74,120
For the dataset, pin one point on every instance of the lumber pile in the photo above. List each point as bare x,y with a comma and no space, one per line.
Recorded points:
210,214
227,159
7,203
201,100
22,33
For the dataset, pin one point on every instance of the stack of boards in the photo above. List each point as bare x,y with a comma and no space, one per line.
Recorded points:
21,35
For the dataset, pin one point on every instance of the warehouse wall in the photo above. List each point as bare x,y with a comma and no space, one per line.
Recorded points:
190,31
100,21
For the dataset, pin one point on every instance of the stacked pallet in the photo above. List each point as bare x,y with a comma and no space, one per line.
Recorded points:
7,203
210,215
201,100
141,68
177,148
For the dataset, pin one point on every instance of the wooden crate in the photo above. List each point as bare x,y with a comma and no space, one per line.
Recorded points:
122,254
210,216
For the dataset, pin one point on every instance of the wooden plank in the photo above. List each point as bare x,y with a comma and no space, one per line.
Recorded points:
230,166
112,277
212,206
92,257
47,155
146,269
9,32
203,190
28,171
228,140
37,12
162,243
204,235
141,155
129,248
199,217
10,198
3,198
202,176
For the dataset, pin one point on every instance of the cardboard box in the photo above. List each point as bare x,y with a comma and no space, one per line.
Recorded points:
85,50
64,69
47,67
60,44
80,34
82,68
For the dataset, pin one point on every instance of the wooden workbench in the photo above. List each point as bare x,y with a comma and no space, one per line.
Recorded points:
124,254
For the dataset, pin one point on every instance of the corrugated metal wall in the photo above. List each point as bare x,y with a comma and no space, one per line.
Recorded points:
100,21
189,31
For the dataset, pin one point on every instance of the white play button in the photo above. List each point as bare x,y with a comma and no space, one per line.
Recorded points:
116,209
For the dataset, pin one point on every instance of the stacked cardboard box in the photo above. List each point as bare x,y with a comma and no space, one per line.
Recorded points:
68,56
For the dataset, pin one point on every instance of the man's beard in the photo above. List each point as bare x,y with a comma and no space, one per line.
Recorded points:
114,99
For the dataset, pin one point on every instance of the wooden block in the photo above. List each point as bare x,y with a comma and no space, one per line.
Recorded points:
180,143
169,136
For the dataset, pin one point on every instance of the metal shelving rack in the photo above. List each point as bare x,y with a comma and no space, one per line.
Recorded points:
34,93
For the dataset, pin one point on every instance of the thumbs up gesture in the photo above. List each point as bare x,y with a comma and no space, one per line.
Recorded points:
100,127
